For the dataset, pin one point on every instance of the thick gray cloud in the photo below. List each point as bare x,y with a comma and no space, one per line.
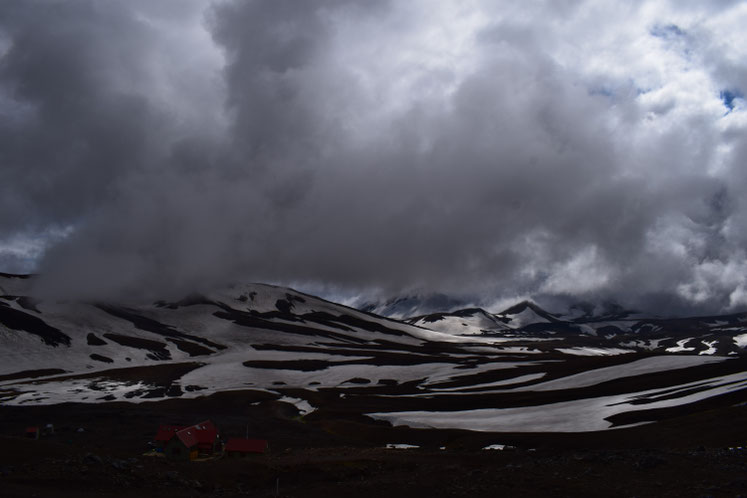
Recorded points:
584,150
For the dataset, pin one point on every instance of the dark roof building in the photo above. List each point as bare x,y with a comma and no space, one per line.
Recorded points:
239,447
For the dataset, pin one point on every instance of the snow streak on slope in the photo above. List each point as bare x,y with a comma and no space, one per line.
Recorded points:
632,369
581,415
473,321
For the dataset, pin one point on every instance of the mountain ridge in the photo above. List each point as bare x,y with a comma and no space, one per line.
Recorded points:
490,369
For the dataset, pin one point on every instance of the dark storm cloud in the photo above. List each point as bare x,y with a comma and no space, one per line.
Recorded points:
69,125
384,146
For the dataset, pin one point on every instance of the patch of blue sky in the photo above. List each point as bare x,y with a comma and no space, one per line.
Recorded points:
728,96
625,90
603,91
674,38
667,31
21,252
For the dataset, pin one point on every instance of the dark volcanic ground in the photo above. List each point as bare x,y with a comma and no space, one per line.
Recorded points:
107,375
695,454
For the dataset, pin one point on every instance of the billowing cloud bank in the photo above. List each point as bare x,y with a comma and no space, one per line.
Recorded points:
586,149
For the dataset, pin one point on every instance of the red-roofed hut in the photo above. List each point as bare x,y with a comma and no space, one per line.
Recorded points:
165,433
192,441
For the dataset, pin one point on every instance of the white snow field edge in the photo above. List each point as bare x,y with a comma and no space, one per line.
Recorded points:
631,369
229,374
583,415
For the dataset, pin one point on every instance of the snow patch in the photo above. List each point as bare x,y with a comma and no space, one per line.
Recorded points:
711,348
506,382
587,351
680,347
499,447
526,317
303,406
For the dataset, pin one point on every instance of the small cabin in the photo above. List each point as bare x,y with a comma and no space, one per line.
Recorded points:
183,446
188,443
241,447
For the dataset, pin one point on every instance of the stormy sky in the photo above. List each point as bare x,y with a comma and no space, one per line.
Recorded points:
581,150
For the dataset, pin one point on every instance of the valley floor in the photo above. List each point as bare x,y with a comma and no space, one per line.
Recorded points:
696,454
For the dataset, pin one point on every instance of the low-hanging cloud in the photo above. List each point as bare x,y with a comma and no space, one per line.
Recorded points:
589,150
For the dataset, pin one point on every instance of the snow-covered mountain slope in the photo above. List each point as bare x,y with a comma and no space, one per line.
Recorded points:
477,320
232,337
331,358
526,313
471,321
71,334
583,333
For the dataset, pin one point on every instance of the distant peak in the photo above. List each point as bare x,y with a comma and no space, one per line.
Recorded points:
523,305
470,312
